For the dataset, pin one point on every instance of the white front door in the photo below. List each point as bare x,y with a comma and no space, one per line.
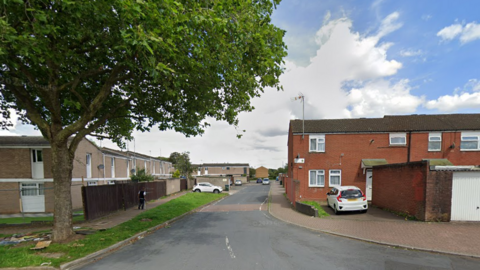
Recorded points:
89,165
368,187
37,163
33,197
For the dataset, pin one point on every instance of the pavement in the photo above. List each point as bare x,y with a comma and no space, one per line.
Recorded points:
381,227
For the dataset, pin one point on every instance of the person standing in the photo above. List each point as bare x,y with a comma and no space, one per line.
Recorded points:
141,199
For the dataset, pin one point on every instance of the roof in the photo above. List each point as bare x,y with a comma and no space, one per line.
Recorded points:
224,165
368,163
23,141
439,162
391,123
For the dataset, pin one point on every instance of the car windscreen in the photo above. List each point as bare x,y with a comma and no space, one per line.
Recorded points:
351,193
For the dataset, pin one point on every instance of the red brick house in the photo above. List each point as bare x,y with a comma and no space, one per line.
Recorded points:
332,152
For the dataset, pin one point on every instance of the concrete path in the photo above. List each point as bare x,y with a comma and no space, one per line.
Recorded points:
457,238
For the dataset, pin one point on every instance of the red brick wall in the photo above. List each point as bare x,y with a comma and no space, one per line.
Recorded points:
438,203
356,147
401,188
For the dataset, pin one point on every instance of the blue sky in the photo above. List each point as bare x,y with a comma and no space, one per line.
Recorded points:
350,59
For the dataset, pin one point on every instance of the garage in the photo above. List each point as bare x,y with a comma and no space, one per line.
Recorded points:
465,196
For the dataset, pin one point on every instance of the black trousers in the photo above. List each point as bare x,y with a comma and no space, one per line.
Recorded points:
141,203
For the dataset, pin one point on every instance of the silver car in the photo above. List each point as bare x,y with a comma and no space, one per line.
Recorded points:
266,181
347,198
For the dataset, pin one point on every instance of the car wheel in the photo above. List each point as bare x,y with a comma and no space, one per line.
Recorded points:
335,210
197,190
216,191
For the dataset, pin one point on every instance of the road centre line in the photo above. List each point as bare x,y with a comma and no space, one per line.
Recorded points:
230,250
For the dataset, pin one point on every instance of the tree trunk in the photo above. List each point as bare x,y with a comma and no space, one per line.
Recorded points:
62,165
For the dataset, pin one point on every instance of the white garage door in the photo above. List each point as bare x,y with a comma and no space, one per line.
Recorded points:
465,196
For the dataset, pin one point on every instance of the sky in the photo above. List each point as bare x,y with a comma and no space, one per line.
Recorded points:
349,59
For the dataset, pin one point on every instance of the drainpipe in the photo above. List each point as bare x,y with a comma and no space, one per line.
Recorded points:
409,145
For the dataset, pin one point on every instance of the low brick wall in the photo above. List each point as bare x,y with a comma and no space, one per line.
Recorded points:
173,185
306,209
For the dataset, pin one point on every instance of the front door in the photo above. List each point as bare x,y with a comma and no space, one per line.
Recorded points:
89,165
33,197
369,185
37,163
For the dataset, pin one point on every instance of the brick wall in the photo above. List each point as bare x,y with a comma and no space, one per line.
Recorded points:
401,188
9,198
438,203
79,163
261,172
16,163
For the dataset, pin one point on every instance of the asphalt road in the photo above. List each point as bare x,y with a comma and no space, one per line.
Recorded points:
238,233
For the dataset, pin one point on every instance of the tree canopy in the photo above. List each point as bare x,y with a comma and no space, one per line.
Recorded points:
106,68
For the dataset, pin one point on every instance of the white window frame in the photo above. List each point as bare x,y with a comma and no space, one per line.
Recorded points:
470,137
398,135
435,138
334,173
199,171
88,165
206,170
318,142
113,167
317,174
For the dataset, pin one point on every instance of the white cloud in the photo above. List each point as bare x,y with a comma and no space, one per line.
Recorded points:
410,53
381,98
467,97
389,24
467,33
426,17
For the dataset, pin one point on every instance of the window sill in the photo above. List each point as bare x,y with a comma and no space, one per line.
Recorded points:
438,151
316,186
316,151
397,145
469,150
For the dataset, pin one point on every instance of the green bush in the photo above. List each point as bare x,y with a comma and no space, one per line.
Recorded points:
176,174
142,176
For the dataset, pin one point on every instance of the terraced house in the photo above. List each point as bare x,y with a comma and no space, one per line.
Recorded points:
26,183
338,152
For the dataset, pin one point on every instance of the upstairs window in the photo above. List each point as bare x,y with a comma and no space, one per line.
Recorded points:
398,138
469,141
435,142
317,178
317,143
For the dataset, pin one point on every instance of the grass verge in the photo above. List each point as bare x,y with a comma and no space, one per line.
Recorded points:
23,256
321,212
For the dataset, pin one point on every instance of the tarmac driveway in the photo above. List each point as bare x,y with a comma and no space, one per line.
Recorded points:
373,214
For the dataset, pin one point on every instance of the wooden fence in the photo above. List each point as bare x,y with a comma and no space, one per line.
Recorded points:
99,201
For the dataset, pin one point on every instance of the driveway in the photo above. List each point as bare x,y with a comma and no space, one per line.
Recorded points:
373,214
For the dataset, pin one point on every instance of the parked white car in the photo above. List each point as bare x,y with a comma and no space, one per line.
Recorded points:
347,198
266,181
206,187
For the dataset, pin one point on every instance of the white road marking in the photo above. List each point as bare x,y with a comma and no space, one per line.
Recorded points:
260,208
229,248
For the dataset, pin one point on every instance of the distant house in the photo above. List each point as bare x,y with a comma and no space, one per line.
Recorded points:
219,169
261,172
26,181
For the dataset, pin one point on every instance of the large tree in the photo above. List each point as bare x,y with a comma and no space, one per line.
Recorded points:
106,68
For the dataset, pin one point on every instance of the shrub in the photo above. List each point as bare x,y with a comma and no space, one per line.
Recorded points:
142,176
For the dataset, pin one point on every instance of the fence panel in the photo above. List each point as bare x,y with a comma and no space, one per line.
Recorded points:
99,201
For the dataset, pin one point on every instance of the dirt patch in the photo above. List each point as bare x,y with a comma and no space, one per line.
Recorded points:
145,220
50,255
72,238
